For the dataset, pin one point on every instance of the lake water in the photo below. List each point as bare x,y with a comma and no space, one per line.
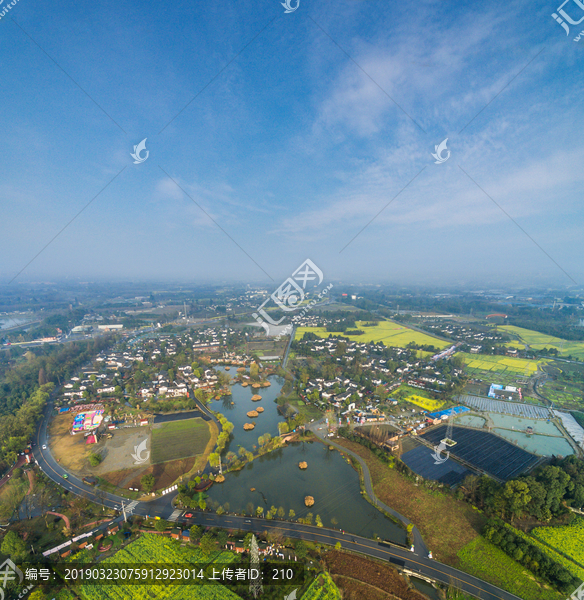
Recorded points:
266,422
278,480
7,322
333,483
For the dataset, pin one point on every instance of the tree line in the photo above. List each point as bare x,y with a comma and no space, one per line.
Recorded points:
521,549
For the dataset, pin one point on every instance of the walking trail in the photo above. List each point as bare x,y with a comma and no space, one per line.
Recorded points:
420,547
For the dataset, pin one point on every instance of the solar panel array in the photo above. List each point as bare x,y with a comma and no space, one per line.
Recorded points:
509,408
422,462
485,451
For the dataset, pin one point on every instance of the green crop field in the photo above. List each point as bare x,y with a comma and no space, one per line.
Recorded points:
539,341
150,548
322,588
485,561
179,439
504,368
568,539
388,332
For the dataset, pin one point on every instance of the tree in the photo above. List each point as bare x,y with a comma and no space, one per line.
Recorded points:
147,482
202,502
300,549
222,538
214,459
95,459
254,371
281,512
42,376
259,511
247,540
291,514
37,595
338,546
195,533
13,546
161,525
318,521
517,497
207,544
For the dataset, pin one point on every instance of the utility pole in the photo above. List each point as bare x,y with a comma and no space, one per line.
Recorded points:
255,585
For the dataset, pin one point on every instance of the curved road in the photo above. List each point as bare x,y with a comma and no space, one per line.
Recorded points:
163,508
397,555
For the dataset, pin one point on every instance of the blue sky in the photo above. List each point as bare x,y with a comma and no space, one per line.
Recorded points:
293,148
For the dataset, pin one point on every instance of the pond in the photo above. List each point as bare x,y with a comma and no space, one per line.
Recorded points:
266,422
334,484
542,445
521,423
8,322
471,421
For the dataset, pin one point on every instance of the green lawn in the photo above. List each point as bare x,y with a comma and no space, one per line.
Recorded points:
485,561
388,332
179,439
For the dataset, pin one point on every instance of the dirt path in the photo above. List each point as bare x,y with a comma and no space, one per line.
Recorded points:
64,517
30,481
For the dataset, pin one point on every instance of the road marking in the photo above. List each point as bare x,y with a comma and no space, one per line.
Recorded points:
175,515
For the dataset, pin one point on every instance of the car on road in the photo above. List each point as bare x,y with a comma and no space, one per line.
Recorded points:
188,515
44,447
65,476
247,521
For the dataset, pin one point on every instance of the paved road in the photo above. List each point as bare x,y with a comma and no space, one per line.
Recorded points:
162,507
355,543
420,548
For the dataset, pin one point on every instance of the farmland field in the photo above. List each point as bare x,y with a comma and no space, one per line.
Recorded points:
425,403
568,539
150,548
501,363
382,576
500,369
484,560
539,341
322,588
388,332
179,439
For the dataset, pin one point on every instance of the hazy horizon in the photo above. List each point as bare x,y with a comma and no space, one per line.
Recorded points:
277,137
